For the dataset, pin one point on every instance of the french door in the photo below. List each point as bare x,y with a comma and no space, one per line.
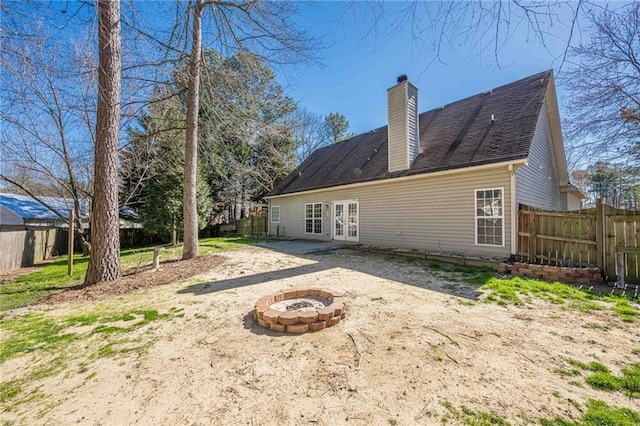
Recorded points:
345,221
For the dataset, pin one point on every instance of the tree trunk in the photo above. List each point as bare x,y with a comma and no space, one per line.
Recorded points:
79,228
86,245
189,206
104,263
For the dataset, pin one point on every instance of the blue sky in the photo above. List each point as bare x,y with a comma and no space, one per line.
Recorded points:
360,65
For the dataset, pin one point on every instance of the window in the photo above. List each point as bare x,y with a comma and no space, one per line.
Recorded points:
489,217
313,218
275,214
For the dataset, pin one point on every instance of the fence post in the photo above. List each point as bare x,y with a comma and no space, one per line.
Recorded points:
70,247
600,241
532,236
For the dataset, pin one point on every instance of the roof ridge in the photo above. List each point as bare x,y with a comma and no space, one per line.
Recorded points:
506,85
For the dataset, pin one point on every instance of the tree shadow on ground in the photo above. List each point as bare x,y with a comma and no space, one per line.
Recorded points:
427,275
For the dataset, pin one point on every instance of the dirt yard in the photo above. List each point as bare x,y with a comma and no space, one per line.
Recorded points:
418,346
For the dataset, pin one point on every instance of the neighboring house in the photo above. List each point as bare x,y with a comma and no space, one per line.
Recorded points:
31,232
23,210
448,180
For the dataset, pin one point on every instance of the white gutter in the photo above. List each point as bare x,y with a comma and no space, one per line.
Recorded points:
511,164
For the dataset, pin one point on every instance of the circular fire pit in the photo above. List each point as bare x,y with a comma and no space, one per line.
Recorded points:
299,311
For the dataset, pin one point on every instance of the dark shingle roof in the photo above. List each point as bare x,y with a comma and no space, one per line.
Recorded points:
458,135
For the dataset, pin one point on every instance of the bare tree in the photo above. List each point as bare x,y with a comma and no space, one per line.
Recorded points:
312,131
104,263
308,132
604,85
602,73
474,27
45,116
260,27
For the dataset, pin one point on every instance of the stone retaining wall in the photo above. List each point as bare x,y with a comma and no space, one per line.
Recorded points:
552,273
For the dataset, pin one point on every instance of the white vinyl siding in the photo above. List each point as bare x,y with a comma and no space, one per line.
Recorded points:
490,217
537,183
573,202
313,218
435,213
275,214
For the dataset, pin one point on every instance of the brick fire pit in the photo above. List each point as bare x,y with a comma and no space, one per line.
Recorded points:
299,311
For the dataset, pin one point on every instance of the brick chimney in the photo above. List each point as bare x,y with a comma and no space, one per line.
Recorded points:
403,138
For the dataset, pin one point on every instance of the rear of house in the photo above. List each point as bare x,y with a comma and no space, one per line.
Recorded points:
448,180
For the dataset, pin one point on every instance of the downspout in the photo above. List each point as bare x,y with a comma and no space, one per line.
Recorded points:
514,210
268,218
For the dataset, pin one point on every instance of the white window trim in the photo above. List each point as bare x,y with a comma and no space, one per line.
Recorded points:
271,214
475,214
313,218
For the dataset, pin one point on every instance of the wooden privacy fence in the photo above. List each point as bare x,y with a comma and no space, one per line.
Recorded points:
22,247
252,225
587,238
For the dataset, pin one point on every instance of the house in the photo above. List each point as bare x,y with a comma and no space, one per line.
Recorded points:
24,210
32,231
448,180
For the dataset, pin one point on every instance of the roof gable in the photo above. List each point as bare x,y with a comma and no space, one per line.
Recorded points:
458,135
556,133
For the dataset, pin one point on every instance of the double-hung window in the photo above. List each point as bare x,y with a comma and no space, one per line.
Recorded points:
275,214
490,217
313,218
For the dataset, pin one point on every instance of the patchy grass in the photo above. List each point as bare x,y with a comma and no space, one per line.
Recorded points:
32,332
49,368
568,373
592,366
49,278
631,380
467,416
516,290
435,266
469,273
598,413
624,310
53,276
39,332
480,279
9,390
603,379
217,245
52,339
